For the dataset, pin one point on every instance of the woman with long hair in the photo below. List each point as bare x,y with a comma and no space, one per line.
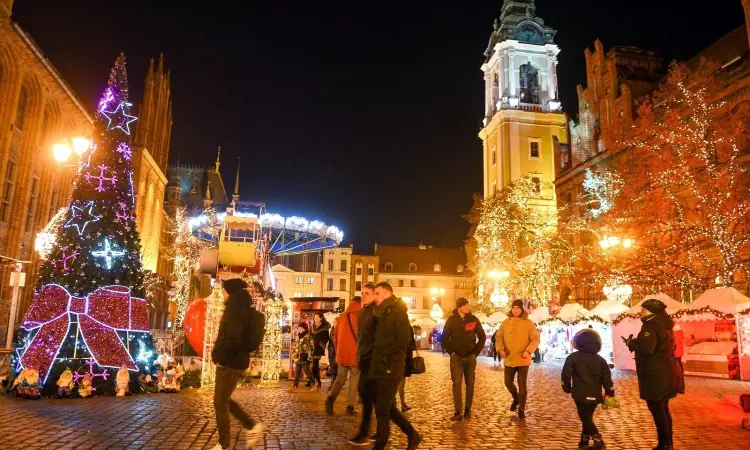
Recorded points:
321,334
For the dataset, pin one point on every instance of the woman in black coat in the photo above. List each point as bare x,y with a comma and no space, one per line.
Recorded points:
659,372
321,335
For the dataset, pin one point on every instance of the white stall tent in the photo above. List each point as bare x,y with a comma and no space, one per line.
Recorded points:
556,332
572,311
628,325
608,308
728,300
496,318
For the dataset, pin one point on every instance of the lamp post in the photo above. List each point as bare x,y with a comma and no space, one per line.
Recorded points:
613,242
78,145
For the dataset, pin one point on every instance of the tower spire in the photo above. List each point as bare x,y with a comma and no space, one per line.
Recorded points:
218,163
236,195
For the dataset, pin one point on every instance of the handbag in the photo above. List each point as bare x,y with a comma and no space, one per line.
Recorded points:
417,364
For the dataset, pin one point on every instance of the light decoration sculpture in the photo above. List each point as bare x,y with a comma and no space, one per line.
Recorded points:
45,239
184,252
214,310
436,313
270,363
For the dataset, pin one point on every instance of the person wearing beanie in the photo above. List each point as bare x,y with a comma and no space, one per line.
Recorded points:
660,376
302,355
516,341
584,375
463,339
231,354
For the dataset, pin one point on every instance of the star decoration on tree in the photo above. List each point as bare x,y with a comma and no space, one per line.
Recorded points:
101,178
108,253
82,216
119,118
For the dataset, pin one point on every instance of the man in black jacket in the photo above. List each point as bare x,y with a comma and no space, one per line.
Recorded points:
392,337
232,357
365,342
463,340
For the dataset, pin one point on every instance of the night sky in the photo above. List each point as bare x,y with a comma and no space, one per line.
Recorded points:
361,114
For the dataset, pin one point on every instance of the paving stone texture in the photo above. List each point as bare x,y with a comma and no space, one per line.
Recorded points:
702,420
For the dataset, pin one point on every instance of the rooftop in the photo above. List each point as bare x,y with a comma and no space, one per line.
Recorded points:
422,260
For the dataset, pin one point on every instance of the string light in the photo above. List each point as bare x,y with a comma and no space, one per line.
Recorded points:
270,363
214,310
184,252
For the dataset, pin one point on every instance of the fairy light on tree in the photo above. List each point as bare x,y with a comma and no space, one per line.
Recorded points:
214,310
184,253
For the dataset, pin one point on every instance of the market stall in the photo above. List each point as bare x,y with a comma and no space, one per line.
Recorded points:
711,327
600,319
629,323
555,331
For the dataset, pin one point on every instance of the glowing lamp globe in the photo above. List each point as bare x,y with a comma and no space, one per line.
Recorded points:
81,145
61,152
436,313
195,324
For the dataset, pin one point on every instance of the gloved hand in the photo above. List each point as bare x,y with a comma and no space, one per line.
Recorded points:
567,388
609,392
629,342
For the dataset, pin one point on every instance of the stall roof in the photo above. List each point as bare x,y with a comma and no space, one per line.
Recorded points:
672,305
572,311
607,308
728,300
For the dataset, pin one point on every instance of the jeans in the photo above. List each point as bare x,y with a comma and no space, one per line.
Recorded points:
586,414
315,372
366,391
519,394
385,411
298,368
352,373
463,368
662,419
226,381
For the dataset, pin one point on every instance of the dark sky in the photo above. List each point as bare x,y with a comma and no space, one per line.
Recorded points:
363,114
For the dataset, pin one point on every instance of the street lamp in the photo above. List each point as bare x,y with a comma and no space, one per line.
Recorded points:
63,150
614,241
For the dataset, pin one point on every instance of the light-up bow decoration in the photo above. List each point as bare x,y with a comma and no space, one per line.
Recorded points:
100,315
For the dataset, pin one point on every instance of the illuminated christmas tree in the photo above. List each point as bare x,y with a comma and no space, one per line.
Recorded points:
89,299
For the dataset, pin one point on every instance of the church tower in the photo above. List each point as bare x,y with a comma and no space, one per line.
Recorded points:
154,125
523,121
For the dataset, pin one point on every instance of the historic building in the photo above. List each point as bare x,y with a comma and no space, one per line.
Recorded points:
365,269
336,273
615,80
293,284
523,121
197,188
424,276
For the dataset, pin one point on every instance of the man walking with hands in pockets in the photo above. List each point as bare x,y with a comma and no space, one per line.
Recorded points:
517,339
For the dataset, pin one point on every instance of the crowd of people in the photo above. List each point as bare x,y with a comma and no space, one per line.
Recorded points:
372,344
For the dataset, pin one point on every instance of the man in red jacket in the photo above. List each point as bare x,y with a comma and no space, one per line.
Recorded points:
347,333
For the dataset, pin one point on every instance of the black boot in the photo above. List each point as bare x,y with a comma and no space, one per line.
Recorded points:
598,442
514,405
329,406
584,442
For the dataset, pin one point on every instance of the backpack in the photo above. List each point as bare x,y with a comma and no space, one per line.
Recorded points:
257,324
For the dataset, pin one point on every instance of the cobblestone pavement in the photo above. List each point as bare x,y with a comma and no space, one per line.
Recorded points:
297,421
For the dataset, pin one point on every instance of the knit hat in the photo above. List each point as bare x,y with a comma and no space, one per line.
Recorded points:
460,301
653,306
234,286
518,303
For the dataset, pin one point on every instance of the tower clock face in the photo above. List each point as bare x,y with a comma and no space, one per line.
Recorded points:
528,33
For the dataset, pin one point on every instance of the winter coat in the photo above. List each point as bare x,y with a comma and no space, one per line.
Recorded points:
366,323
347,330
304,347
393,335
679,340
659,370
515,336
410,356
493,341
321,335
231,349
463,336
589,371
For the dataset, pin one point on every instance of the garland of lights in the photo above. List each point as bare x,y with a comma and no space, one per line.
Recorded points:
214,310
594,318
270,365
272,220
184,253
684,312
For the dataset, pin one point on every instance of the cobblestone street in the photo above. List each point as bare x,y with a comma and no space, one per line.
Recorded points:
297,421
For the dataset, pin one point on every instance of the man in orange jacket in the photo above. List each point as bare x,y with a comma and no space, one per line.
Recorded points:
347,333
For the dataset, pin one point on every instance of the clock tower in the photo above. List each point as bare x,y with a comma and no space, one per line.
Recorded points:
523,121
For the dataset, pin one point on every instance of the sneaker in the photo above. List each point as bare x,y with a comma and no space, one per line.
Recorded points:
521,414
514,405
414,440
252,435
329,406
350,411
598,443
584,442
405,408
467,414
359,440
457,417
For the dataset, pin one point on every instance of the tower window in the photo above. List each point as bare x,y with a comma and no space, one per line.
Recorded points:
534,152
388,267
494,156
412,267
436,268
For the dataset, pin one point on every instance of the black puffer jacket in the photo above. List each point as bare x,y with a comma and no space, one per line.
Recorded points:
321,336
366,323
393,335
588,371
231,349
659,371
463,336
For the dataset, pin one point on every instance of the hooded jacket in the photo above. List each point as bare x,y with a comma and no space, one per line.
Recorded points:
515,336
393,335
659,370
304,347
463,336
321,335
346,333
588,371
231,349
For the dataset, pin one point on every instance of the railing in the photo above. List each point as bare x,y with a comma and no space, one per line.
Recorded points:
530,107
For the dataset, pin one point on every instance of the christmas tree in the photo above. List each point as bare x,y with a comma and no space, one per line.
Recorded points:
88,302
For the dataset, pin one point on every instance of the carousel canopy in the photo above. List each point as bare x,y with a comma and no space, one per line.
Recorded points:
608,308
728,300
572,311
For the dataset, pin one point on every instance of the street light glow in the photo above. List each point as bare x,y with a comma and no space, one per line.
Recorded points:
80,145
61,152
